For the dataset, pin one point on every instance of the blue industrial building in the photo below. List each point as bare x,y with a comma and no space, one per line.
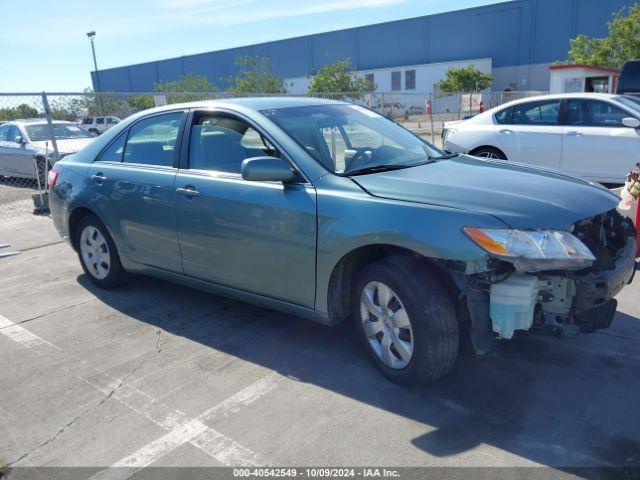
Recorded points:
515,40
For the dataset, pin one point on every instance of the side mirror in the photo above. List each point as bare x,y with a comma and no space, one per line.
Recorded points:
19,139
265,169
631,122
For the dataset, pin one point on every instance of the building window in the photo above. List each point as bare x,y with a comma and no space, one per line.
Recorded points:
369,78
396,80
409,79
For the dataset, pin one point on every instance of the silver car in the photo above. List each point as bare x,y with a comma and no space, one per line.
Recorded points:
23,142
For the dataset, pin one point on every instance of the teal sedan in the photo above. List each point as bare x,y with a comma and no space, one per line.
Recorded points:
329,211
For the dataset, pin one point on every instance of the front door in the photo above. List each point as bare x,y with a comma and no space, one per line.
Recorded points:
17,158
596,144
255,236
131,186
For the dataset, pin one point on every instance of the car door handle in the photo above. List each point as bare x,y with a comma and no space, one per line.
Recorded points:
573,134
98,177
188,191
506,131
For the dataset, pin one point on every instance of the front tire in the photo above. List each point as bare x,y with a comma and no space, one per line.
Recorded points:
98,255
406,320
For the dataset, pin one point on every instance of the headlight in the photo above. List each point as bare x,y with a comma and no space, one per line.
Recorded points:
533,250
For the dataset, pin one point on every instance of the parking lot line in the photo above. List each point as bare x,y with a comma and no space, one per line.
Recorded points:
181,427
195,432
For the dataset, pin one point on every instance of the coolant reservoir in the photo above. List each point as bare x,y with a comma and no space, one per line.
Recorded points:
512,304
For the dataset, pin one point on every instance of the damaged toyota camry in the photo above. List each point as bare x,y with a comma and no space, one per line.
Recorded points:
330,211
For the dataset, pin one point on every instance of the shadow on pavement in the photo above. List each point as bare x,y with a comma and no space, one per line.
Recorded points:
557,402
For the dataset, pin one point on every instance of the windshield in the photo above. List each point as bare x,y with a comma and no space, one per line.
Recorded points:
630,101
348,138
40,132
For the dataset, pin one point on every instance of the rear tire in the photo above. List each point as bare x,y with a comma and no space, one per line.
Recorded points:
411,329
489,152
98,255
42,176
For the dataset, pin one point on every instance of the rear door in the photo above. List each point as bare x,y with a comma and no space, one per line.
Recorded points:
131,186
530,133
254,236
596,144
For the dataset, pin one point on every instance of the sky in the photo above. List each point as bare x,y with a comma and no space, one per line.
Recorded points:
43,43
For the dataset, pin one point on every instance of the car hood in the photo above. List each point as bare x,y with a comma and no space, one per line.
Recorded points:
65,146
520,196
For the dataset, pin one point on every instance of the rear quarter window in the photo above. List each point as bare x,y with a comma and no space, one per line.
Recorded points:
503,117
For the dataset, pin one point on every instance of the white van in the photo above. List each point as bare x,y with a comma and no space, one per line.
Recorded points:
98,125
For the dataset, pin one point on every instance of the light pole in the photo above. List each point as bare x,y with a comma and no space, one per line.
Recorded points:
91,36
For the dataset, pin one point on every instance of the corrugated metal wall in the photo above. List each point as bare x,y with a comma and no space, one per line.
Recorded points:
521,32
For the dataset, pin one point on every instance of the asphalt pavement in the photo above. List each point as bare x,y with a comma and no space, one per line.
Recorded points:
158,374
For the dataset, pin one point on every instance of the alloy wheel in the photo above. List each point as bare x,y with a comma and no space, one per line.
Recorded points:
95,252
486,154
386,324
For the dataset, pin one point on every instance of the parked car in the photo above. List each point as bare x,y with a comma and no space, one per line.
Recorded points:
98,125
629,81
22,141
594,136
330,211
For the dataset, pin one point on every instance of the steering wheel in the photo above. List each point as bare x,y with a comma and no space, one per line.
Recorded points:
360,159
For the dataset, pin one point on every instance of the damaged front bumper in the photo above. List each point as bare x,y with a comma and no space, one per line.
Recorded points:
568,301
593,304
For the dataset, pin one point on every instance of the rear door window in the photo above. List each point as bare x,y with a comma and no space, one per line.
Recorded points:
100,121
4,133
152,141
114,152
542,112
503,117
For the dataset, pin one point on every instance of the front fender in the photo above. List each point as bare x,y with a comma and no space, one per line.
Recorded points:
349,218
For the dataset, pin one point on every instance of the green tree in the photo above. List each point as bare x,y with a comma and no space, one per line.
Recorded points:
621,44
187,83
21,111
339,77
187,88
464,79
92,104
255,77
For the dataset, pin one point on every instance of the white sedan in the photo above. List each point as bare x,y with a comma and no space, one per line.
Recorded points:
595,136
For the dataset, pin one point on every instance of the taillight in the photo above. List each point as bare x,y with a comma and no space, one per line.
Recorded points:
52,178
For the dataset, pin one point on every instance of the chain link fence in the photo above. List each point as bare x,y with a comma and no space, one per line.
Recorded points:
22,170
32,138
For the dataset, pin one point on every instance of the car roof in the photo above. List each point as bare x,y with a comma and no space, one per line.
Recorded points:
28,121
560,96
553,96
252,103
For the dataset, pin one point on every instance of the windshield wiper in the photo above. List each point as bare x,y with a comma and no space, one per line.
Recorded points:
446,156
385,168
